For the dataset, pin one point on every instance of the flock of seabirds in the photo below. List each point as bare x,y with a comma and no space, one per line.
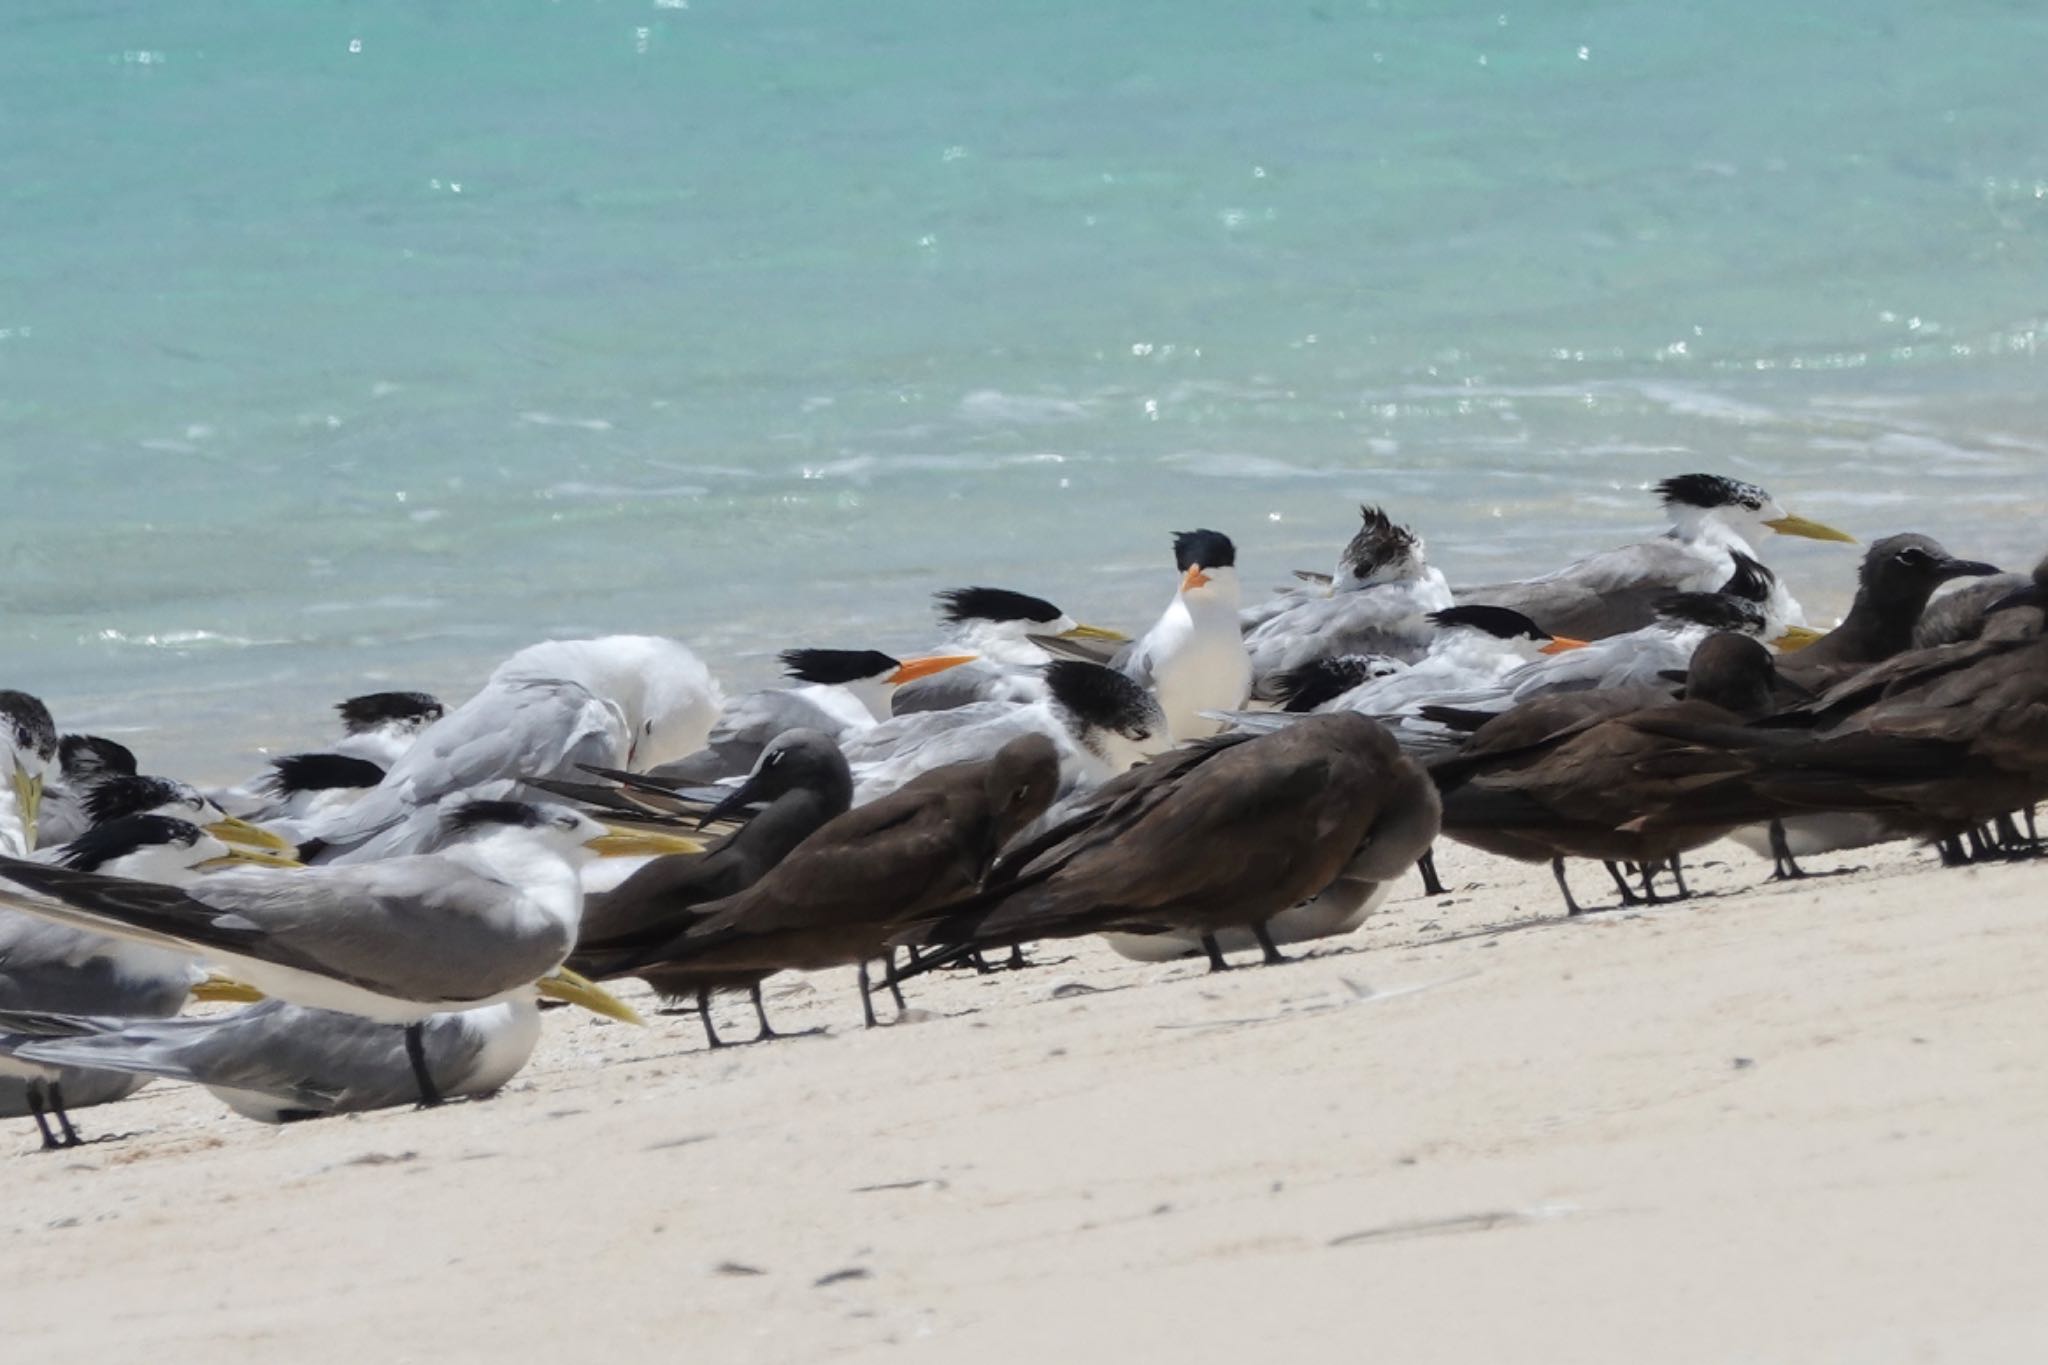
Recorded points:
1234,778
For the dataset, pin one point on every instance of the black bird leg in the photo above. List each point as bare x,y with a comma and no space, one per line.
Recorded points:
1787,868
2033,835
1648,872
1432,885
1215,951
63,1115
704,1015
1678,875
47,1097
867,1002
1628,893
1018,962
896,991
1951,849
416,1053
761,1013
1571,907
1979,850
2009,837
1274,957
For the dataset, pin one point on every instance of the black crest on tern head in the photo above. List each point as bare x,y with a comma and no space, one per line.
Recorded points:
1503,623
89,756
1203,550
836,665
1379,541
471,816
26,721
128,794
1102,697
1710,491
373,709
1716,611
1329,677
1752,580
958,605
102,844
296,773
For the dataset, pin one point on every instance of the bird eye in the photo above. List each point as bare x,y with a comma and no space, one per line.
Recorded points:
1911,556
648,728
1141,735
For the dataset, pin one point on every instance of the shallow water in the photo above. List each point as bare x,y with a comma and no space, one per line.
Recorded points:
345,346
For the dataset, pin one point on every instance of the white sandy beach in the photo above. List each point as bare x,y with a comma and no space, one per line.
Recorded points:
1778,1123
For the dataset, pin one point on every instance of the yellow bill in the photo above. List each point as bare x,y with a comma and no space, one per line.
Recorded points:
619,842
236,857
1796,637
1812,530
577,989
1092,633
217,988
28,799
235,830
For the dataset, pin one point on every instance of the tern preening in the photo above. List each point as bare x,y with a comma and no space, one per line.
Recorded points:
28,749
1379,603
620,701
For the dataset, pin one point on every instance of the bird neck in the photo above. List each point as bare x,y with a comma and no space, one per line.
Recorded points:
1877,626
1710,528
790,819
543,876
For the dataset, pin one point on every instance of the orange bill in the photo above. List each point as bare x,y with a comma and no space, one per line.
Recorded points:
913,669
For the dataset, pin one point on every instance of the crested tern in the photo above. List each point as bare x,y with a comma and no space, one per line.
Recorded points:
1712,518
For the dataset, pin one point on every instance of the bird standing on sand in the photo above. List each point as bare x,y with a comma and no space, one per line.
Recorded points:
803,781
481,920
1220,835
62,968
279,1063
1573,775
842,894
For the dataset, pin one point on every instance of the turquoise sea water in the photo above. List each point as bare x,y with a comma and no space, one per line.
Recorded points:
353,344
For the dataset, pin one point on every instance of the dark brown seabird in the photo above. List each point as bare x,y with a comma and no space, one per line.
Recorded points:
842,894
1573,776
1898,575
1222,834
804,781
